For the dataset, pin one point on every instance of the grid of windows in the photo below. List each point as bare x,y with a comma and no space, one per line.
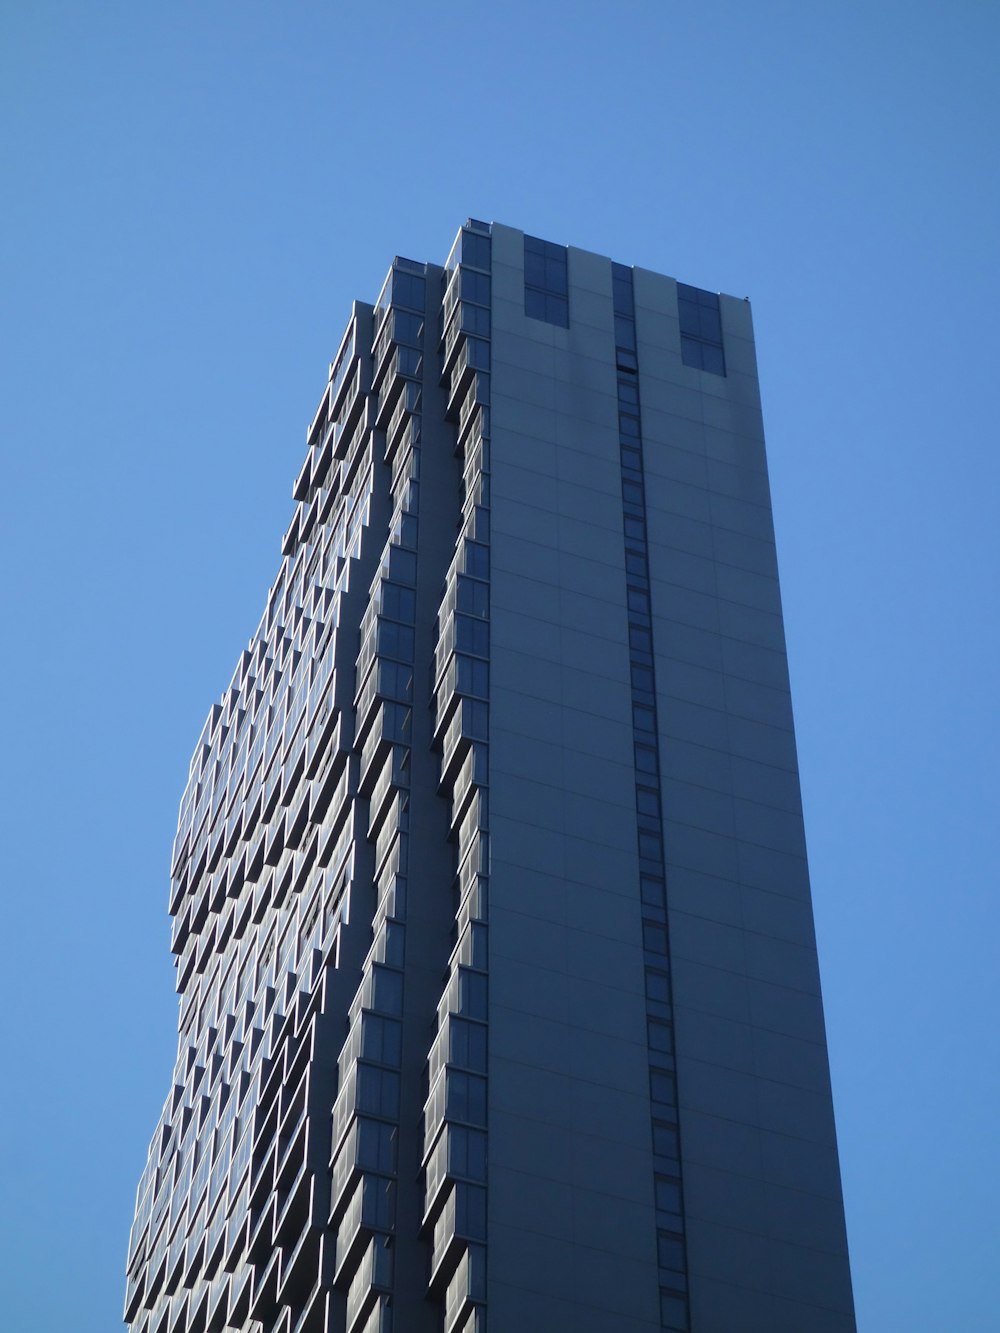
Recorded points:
652,875
546,281
701,329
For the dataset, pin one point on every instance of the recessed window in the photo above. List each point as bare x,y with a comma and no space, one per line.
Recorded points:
701,329
673,1311
546,282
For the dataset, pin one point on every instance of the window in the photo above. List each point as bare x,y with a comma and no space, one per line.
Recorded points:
657,987
378,1092
546,282
476,250
376,1146
665,1140
472,1001
673,1311
381,1039
670,1251
467,1045
651,890
387,990
661,1037
466,1097
466,1153
662,1090
472,636
668,1195
407,290
473,676
701,329
654,937
475,287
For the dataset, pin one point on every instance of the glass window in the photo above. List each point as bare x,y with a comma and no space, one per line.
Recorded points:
407,290
661,1037
640,639
650,848
638,601
467,1045
387,990
466,1152
466,1097
625,332
470,1211
476,250
378,1091
628,392
472,636
398,602
475,287
701,329
647,801
657,987
651,890
473,597
645,760
546,281
673,1312
473,677
376,1149
670,1251
621,286
534,303
477,560
381,1040
654,937
472,993
668,1195
665,1142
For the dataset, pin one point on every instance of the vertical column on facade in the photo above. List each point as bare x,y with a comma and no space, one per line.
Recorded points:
288,1191
366,1115
671,1248
231,1207
455,1111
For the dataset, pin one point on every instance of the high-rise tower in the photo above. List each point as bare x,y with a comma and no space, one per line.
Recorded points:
499,1003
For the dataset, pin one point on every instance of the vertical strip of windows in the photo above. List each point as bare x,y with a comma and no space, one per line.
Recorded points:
261,878
455,1128
546,281
667,1188
366,1114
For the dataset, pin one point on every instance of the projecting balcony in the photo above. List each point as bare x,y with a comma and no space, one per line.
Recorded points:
218,1303
296,1211
264,1296
240,1289
473,357
298,1287
313,1309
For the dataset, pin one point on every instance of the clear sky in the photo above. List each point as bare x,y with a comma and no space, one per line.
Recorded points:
193,193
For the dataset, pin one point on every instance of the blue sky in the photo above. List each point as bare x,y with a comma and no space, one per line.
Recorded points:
194,193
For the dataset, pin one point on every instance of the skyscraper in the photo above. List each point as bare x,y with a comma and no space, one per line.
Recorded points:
499,1003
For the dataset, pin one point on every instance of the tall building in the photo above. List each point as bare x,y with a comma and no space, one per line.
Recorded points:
499,1002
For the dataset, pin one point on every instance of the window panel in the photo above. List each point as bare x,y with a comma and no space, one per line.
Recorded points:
546,282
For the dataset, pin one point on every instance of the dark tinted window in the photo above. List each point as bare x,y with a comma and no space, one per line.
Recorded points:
546,282
701,329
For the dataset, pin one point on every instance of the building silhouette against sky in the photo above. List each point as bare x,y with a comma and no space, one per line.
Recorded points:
499,1001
